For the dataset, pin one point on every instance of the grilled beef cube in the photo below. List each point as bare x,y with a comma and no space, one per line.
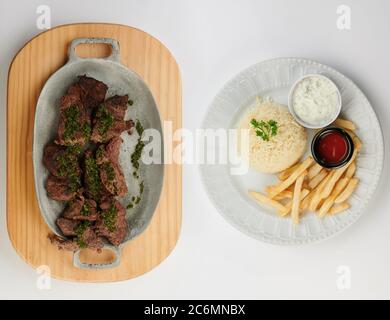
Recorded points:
90,240
63,244
111,175
112,221
81,209
61,161
75,95
67,226
74,125
85,238
62,189
94,91
109,119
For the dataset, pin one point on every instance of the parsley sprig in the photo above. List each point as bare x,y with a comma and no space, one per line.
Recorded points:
264,129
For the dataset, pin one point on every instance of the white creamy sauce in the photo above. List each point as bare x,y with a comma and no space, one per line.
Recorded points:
315,100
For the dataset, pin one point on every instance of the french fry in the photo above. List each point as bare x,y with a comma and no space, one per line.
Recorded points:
287,208
317,195
263,199
286,194
292,178
336,176
286,173
314,170
297,198
345,124
351,170
349,189
315,181
337,208
328,202
306,201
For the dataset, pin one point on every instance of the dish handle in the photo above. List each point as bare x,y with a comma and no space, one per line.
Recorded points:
115,51
109,265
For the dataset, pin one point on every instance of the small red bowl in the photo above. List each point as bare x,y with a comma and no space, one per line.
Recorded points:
332,142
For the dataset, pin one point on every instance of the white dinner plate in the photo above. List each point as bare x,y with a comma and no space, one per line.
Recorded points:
229,193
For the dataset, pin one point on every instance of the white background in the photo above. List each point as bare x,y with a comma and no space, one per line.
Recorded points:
212,41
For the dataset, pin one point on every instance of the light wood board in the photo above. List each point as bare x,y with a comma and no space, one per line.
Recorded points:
30,69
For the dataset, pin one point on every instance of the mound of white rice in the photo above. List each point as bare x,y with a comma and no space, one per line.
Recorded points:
282,150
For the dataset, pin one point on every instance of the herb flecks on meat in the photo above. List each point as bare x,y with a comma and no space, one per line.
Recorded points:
92,177
112,221
109,119
110,217
79,231
105,120
71,121
68,164
110,172
85,209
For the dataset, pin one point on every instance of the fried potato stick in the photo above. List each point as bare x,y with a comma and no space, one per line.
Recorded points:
291,179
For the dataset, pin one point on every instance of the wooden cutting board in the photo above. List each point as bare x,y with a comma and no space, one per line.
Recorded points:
30,69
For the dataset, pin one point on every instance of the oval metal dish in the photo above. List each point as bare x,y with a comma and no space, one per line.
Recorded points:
120,80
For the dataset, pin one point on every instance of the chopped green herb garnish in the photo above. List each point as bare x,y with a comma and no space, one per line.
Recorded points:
105,120
141,188
110,172
92,177
71,121
265,130
100,151
79,231
85,210
109,217
136,156
75,149
130,102
86,128
67,164
68,167
139,128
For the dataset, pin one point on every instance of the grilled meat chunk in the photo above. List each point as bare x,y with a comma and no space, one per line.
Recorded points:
111,175
94,91
112,221
62,189
109,119
74,125
63,244
85,237
61,161
67,226
81,209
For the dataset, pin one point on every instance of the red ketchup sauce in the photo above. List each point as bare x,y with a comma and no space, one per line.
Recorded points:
332,147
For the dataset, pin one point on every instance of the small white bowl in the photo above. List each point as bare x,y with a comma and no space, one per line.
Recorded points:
304,123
